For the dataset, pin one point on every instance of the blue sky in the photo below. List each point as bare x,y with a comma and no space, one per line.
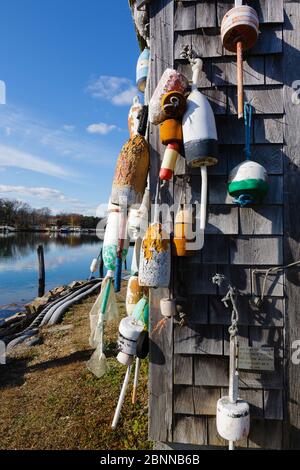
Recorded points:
69,70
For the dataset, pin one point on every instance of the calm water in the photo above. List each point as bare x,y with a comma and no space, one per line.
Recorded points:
67,258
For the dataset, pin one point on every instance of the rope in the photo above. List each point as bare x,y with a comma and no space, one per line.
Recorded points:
246,199
248,110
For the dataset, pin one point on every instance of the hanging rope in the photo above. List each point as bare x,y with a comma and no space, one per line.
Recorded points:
246,199
248,109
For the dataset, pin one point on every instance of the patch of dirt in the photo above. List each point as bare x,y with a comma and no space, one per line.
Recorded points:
49,400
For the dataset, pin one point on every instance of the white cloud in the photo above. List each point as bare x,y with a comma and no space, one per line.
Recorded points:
12,157
118,90
68,127
48,195
101,128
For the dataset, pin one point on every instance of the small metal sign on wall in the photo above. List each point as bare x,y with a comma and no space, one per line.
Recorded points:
256,358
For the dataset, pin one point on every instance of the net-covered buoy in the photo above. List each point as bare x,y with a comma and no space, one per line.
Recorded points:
131,172
134,294
142,70
129,331
170,81
199,127
248,182
134,117
155,259
171,132
111,240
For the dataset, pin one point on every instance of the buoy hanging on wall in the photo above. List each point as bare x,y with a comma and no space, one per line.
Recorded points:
173,104
134,117
169,161
183,231
170,81
155,259
171,132
239,32
248,180
129,331
199,127
142,70
111,240
131,172
134,294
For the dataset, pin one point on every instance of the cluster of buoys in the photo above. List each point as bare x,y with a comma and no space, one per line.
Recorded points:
187,128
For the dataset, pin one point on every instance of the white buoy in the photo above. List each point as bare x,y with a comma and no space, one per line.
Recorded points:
133,117
94,265
129,331
233,419
249,178
111,240
199,126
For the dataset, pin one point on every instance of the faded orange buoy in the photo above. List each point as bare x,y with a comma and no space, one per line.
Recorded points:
171,132
131,172
134,294
155,259
169,162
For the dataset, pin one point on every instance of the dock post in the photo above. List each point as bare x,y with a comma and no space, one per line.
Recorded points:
101,265
41,261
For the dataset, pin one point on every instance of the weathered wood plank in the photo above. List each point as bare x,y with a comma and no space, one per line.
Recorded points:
265,100
206,16
217,99
205,400
267,380
222,219
224,71
215,250
196,279
230,130
273,404
207,43
196,400
211,371
270,156
183,370
204,76
256,251
181,39
268,12
264,220
292,217
268,130
270,337
198,340
267,435
274,284
185,16
197,309
271,313
274,69
239,276
190,430
161,345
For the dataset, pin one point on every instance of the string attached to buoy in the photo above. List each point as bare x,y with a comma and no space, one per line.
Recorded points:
245,199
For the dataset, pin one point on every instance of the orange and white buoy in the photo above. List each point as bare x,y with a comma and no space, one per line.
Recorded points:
169,161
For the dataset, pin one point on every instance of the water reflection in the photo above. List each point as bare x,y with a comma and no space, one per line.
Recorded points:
67,258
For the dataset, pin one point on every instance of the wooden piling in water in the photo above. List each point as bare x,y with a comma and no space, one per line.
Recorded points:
41,262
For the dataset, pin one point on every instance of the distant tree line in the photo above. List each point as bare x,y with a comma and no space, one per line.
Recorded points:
21,215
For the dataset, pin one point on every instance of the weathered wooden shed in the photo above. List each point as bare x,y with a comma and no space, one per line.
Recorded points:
189,364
